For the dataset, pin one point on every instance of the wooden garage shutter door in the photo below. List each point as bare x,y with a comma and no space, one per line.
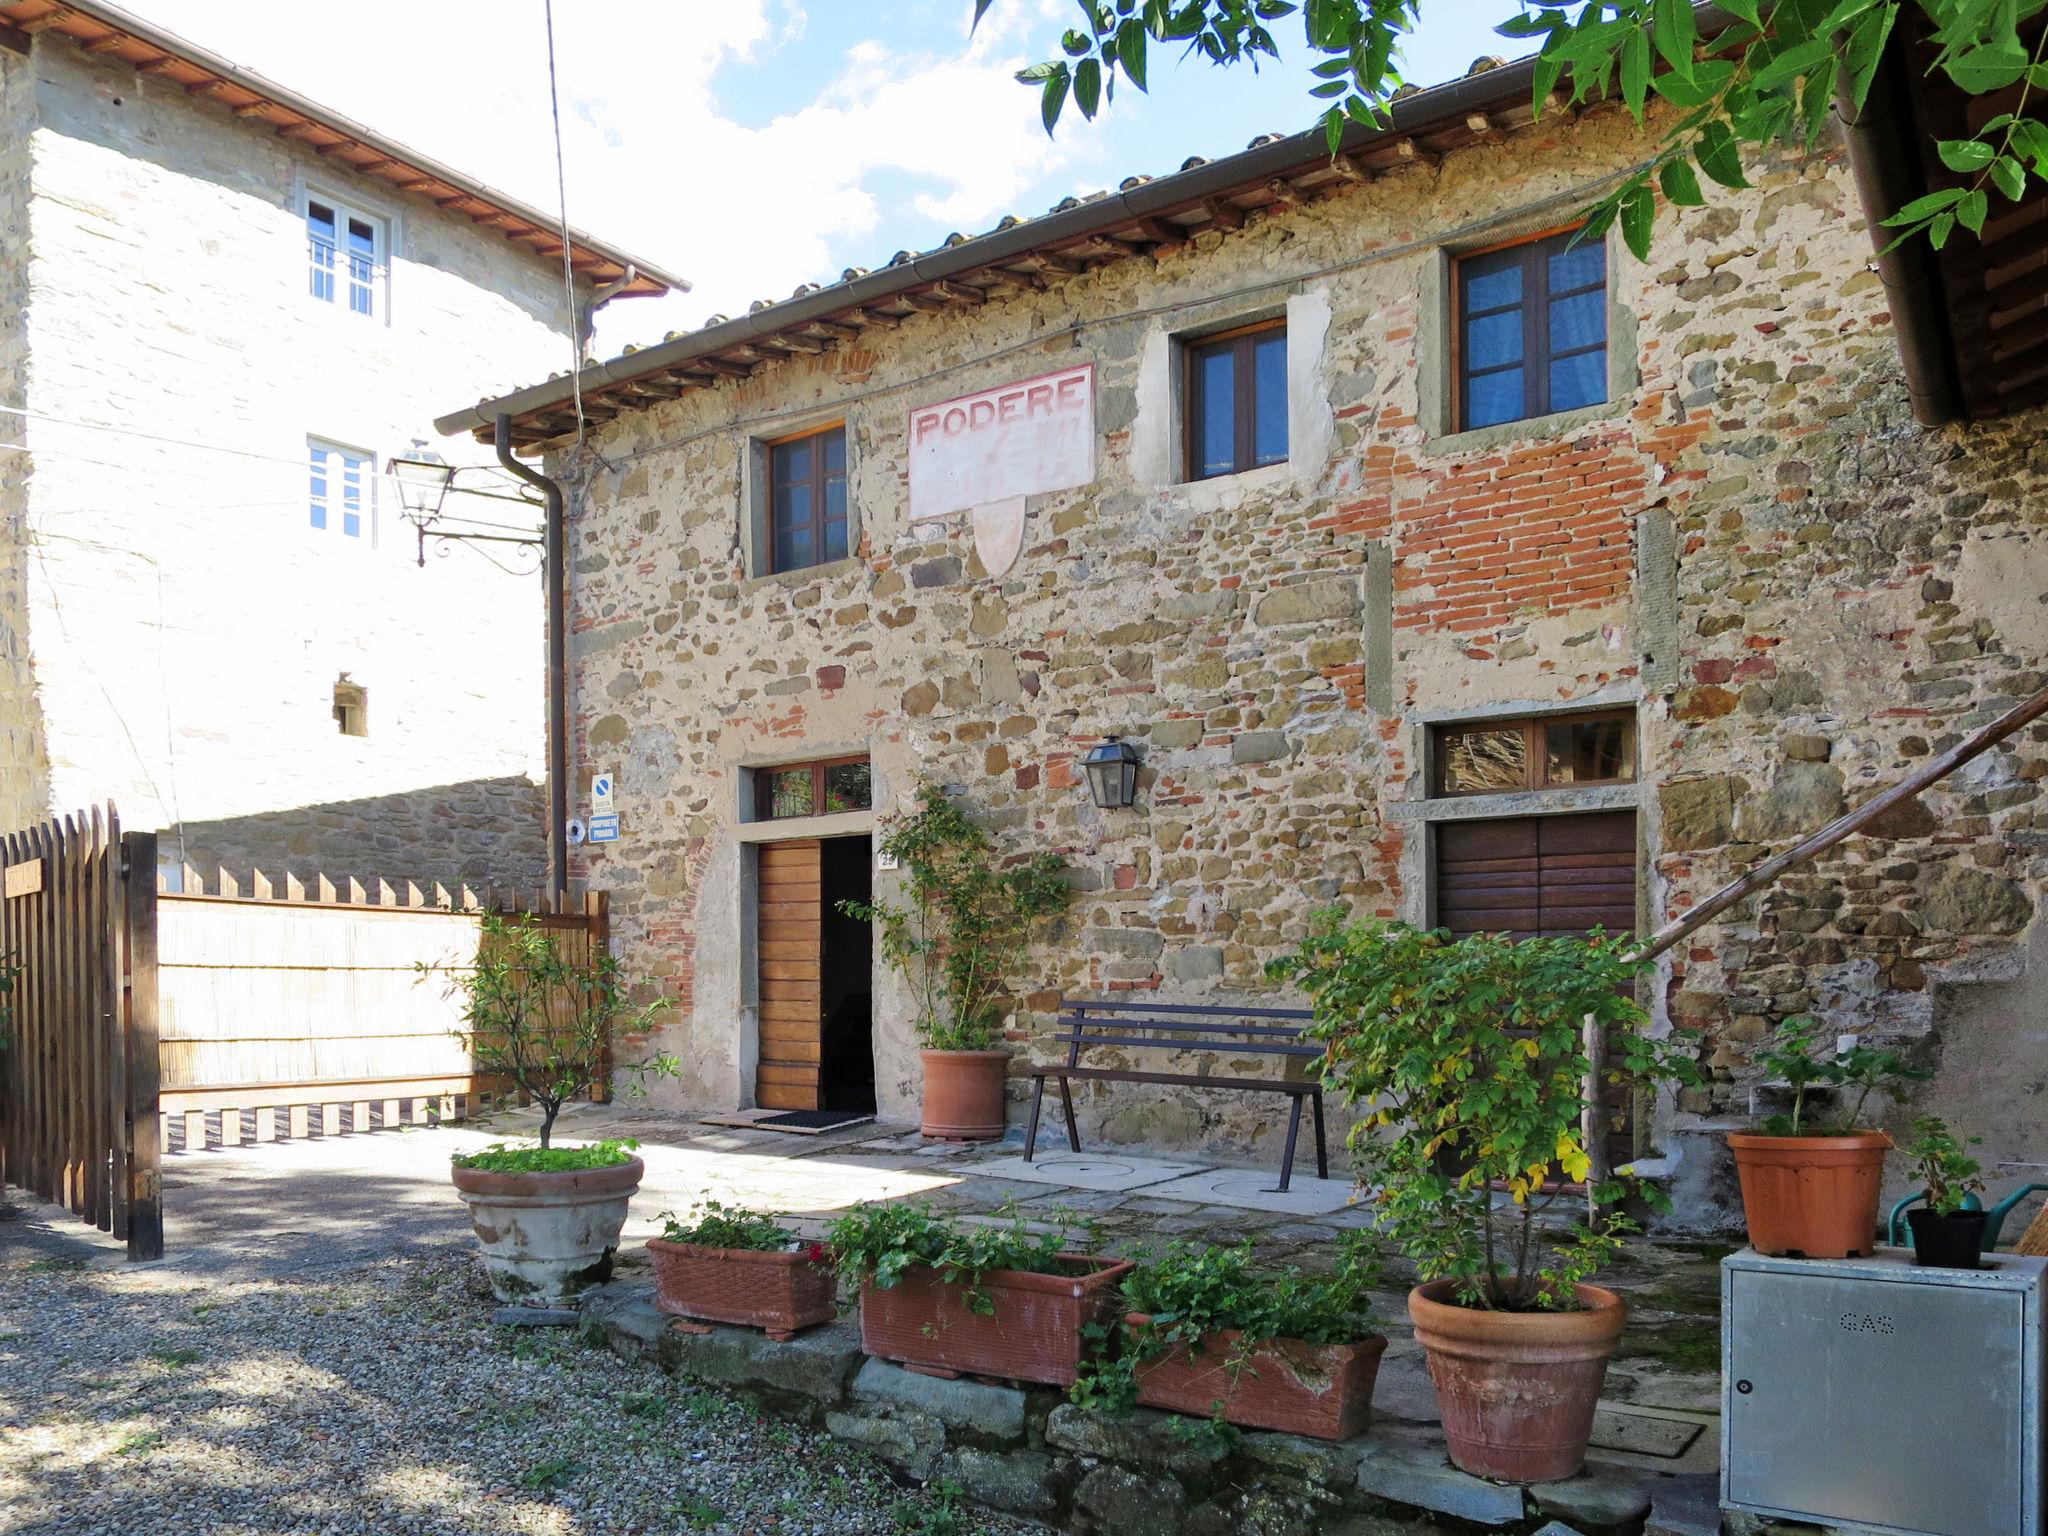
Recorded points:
791,944
1536,875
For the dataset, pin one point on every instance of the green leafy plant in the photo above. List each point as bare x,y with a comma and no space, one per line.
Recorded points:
499,1158
555,1472
1194,1291
542,1019
942,1512
1946,1171
960,933
729,1226
1797,1058
1469,1055
879,1243
1772,76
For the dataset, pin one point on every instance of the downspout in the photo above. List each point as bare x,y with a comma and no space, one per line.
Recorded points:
558,663
1884,155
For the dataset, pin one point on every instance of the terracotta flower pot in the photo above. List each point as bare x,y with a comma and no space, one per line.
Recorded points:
548,1237
780,1291
1517,1389
1813,1196
1033,1334
1320,1390
963,1094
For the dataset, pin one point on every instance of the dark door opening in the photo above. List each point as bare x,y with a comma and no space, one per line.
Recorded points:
846,974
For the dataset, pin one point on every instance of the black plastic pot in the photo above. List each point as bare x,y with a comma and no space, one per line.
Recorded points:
1954,1241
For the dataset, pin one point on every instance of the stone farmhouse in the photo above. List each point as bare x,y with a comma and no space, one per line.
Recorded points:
1437,564
223,310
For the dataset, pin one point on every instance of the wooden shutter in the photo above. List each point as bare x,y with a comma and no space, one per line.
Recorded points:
790,948
1548,875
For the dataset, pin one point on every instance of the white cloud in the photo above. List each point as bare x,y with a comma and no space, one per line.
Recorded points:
745,209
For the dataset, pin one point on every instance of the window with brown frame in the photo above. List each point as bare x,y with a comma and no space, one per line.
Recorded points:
1542,752
823,788
806,501
1531,329
1236,390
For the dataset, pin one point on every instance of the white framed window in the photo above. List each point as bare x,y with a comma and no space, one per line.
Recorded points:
348,255
342,491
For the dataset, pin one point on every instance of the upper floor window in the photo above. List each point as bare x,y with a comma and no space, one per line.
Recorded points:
1543,752
343,490
825,788
347,252
1236,391
1532,329
807,500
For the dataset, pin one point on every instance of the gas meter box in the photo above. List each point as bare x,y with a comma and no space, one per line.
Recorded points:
1876,1395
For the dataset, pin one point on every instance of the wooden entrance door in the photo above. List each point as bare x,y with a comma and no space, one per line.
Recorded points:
791,949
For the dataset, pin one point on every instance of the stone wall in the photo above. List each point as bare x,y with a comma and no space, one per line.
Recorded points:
188,626
488,831
1798,592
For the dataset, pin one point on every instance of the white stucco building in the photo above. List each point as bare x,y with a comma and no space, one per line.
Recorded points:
223,311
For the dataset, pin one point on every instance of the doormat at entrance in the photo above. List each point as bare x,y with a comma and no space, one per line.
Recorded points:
812,1121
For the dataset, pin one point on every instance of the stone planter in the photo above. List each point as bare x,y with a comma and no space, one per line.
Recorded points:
1323,1391
548,1237
1811,1196
963,1095
781,1291
1517,1390
1033,1333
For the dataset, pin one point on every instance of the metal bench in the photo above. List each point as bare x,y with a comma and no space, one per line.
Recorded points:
1138,1026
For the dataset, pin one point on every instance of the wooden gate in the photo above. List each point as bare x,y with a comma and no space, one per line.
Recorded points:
78,1068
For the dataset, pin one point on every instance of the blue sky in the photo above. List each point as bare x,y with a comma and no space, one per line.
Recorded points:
752,145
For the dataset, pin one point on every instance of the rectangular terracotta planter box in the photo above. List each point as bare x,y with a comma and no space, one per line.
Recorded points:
780,1291
1320,1390
1034,1334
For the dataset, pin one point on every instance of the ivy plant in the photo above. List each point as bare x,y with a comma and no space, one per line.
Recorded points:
961,930
879,1244
1771,76
1468,1056
1946,1170
1797,1058
1193,1291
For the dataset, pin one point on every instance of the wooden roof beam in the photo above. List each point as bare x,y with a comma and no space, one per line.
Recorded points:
1223,213
256,108
163,63
724,367
55,18
339,146
834,331
867,317
106,44
789,342
207,87
297,128
1057,265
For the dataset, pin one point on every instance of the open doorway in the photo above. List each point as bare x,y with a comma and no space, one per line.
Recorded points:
816,979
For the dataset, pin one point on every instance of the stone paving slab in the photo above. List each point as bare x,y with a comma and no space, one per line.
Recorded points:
1087,1170
1256,1189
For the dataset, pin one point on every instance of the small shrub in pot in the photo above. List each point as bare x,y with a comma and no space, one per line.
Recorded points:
1469,1055
1810,1177
1948,1231
732,1265
1206,1333
992,1299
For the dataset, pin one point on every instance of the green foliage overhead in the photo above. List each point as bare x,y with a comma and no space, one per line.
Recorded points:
1772,77
729,1226
1946,1171
499,1158
535,1015
1796,1058
1469,1056
960,932
878,1243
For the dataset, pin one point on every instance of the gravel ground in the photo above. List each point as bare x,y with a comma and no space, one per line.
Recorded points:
380,1399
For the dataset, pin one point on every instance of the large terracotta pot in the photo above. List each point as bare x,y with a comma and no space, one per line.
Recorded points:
548,1237
1320,1390
780,1291
1033,1332
963,1094
1517,1390
1814,1196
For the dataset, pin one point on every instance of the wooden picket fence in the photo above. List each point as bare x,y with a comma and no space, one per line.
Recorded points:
78,1073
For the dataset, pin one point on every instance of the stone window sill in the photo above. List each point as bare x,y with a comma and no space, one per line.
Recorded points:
831,570
1529,428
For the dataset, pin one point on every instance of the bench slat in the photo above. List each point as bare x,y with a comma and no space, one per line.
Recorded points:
1184,1079
1212,1011
1143,1042
1181,1026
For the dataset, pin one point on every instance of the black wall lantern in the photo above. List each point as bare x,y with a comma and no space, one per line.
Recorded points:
1112,769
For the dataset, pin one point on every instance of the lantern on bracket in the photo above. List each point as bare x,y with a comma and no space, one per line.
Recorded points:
1112,769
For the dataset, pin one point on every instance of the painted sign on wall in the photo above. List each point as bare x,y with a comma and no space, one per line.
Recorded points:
1003,444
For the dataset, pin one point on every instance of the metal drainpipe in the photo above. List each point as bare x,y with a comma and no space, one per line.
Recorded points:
558,663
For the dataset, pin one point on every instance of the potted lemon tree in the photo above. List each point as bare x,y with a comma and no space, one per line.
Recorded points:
958,935
548,1218
1468,1053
